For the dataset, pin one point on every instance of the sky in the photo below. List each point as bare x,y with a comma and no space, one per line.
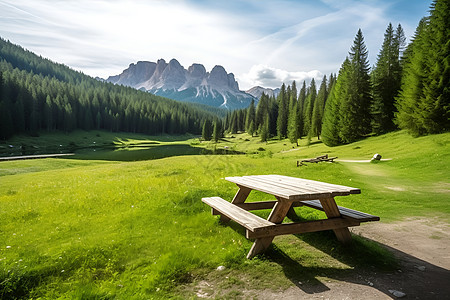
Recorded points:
262,42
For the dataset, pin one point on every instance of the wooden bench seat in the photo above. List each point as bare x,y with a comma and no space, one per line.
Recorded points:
247,219
345,212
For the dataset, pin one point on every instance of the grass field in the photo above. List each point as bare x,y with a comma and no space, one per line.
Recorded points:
126,221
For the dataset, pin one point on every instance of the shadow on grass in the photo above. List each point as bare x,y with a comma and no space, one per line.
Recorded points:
147,152
370,263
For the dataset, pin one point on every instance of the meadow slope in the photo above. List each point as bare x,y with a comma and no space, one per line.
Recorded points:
97,225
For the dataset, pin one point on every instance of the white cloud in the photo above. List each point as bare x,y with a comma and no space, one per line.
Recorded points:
266,76
257,40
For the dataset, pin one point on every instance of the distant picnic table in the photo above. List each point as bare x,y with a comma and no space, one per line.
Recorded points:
322,158
289,192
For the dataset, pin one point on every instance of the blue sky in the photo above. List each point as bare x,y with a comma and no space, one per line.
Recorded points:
262,42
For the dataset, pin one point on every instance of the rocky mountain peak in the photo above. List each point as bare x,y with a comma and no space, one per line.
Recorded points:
172,80
197,70
218,77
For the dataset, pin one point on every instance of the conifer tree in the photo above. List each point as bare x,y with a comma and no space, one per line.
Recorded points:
355,117
386,78
207,130
261,109
319,106
283,111
332,116
217,130
6,123
293,134
300,106
264,130
308,107
251,119
424,101
292,129
408,102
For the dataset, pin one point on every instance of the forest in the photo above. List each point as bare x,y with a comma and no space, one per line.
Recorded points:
408,88
37,94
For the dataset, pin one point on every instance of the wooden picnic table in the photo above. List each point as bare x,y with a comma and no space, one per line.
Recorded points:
289,192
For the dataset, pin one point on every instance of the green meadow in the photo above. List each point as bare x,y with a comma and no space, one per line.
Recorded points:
123,217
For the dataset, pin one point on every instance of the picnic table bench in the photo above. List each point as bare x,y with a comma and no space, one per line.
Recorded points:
289,192
317,159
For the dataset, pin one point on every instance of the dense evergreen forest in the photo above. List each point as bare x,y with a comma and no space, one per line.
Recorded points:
37,94
408,88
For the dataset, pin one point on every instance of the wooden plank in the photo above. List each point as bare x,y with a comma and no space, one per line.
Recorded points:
267,188
257,205
345,212
331,210
308,185
303,227
277,188
298,187
303,189
262,205
247,219
318,185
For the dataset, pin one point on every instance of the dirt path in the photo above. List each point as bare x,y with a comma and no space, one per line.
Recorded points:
361,160
423,249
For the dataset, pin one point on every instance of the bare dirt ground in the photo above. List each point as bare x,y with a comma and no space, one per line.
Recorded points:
422,247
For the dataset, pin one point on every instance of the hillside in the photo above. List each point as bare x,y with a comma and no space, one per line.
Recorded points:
40,95
97,225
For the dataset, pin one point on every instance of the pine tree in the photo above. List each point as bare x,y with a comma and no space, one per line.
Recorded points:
424,101
250,121
332,116
300,106
355,117
264,130
261,109
408,102
207,130
217,130
386,78
319,106
437,86
6,123
308,107
283,111
293,133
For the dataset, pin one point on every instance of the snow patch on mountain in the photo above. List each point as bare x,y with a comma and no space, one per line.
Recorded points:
216,88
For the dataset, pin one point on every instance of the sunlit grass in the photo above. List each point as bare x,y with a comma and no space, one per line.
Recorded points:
96,227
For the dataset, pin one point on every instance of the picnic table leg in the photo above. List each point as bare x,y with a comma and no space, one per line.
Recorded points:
331,210
241,195
276,216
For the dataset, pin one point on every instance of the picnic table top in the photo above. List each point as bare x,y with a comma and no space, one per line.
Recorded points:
291,188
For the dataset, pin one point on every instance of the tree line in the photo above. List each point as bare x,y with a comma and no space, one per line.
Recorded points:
37,94
408,88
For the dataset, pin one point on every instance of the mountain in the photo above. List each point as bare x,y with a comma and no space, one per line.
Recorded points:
257,91
216,88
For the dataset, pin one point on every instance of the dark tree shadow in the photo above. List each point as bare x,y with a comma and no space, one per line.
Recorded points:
370,263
